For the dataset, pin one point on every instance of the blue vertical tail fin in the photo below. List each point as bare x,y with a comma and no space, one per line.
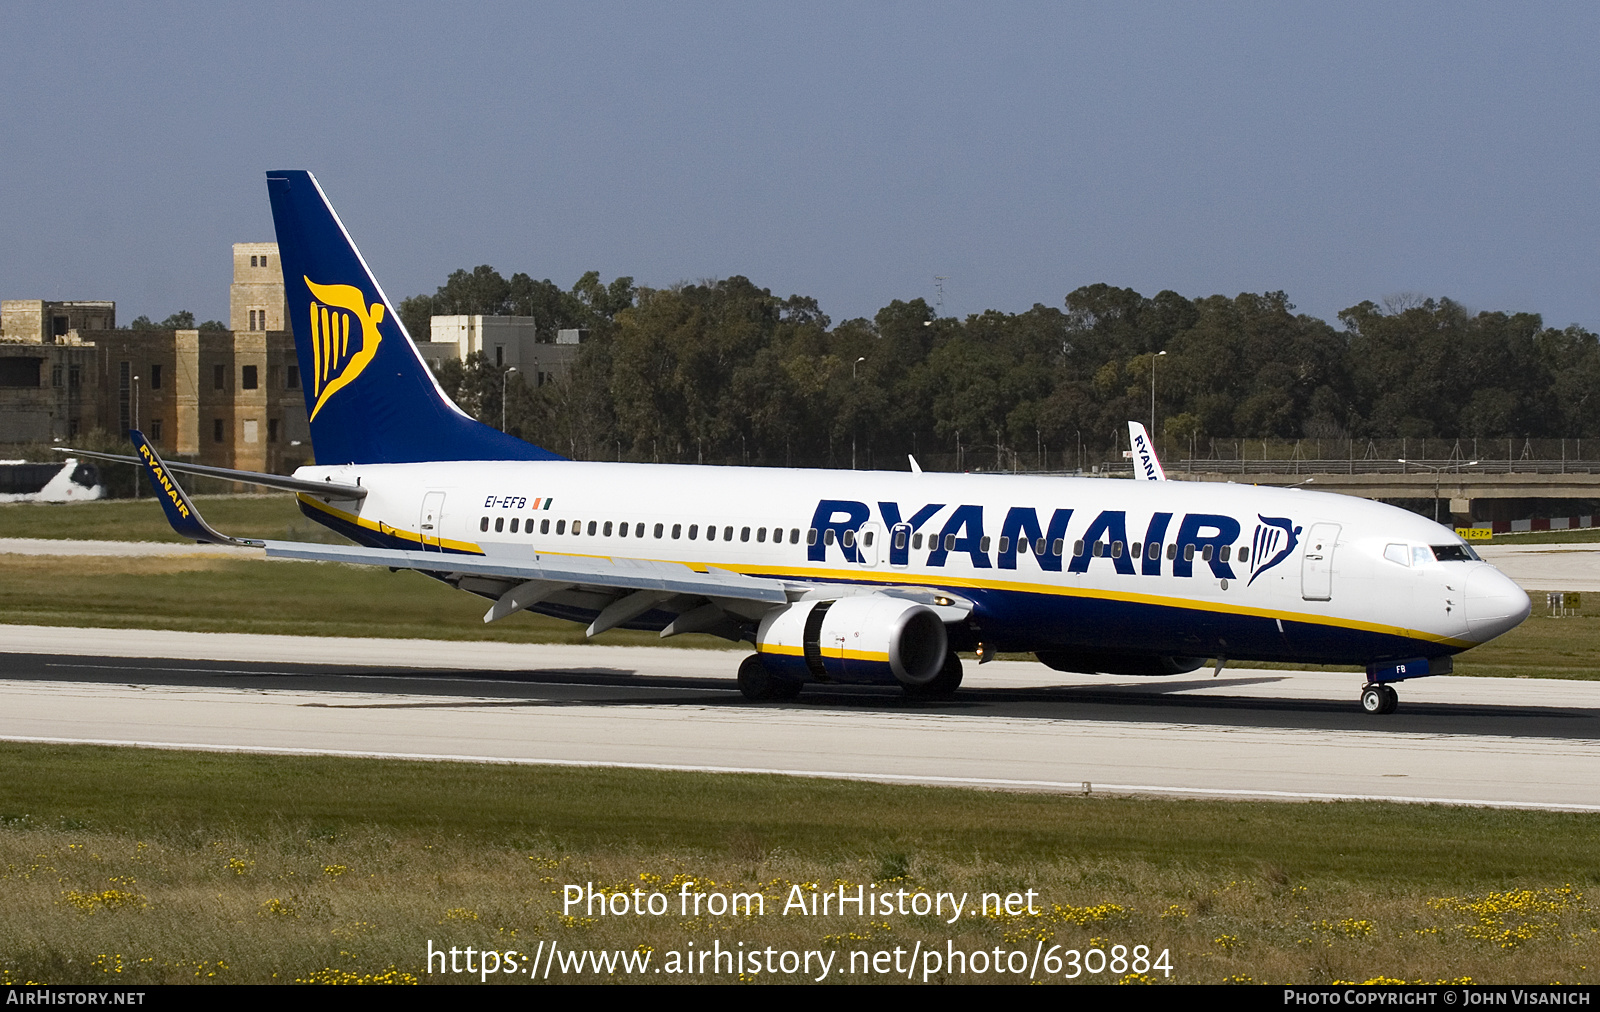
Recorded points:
371,398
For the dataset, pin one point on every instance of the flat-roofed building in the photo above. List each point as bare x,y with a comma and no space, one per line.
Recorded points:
505,342
39,321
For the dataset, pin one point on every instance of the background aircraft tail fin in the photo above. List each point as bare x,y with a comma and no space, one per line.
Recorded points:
371,398
1146,465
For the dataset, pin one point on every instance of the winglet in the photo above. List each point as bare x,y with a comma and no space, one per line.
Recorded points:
1146,466
181,514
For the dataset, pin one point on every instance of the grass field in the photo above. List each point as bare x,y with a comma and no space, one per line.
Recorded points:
250,516
206,594
146,866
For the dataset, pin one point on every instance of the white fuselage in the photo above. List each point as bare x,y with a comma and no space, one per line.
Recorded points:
1146,566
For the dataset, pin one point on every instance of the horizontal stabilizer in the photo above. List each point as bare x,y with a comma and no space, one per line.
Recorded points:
326,489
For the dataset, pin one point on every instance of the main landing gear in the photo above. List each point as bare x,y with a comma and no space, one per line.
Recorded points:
1379,698
943,685
760,685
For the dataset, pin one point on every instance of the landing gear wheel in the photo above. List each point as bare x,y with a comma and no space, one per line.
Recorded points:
1379,699
943,685
759,685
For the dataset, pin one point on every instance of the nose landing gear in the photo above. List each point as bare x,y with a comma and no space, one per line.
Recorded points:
1377,698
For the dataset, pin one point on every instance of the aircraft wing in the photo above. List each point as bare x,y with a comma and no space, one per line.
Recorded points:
703,598
617,574
288,484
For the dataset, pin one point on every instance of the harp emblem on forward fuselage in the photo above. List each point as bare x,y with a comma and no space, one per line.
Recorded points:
344,338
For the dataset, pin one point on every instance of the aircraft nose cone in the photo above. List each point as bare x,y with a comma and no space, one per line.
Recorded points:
1494,604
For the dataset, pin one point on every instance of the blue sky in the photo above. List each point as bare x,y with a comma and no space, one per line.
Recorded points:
849,152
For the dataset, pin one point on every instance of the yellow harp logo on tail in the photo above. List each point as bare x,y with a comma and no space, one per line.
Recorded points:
338,356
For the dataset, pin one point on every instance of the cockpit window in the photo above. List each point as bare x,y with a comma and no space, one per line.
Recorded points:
1397,553
1454,553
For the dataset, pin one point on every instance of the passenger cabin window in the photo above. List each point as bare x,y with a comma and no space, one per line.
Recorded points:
1244,553
483,524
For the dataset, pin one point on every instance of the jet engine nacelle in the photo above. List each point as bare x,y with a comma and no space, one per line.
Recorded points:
871,639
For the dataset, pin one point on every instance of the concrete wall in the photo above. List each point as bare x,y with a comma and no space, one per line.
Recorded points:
47,391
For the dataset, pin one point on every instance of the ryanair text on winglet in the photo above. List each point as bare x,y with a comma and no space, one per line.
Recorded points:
166,483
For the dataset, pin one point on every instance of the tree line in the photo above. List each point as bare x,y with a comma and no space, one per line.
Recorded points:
726,372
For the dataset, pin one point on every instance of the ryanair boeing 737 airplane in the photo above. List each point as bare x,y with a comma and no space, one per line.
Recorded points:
839,576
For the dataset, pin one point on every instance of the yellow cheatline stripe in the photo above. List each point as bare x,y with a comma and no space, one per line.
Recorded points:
904,579
831,653
856,655
383,528
1158,600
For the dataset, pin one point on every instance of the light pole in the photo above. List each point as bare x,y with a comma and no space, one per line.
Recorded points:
1417,463
136,426
1153,357
853,366
503,377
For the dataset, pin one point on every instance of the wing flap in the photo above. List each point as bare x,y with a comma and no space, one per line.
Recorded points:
629,574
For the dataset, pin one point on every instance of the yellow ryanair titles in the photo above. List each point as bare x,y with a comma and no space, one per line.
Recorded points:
166,483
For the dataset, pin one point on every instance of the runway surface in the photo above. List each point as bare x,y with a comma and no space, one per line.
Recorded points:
1248,733
1548,567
